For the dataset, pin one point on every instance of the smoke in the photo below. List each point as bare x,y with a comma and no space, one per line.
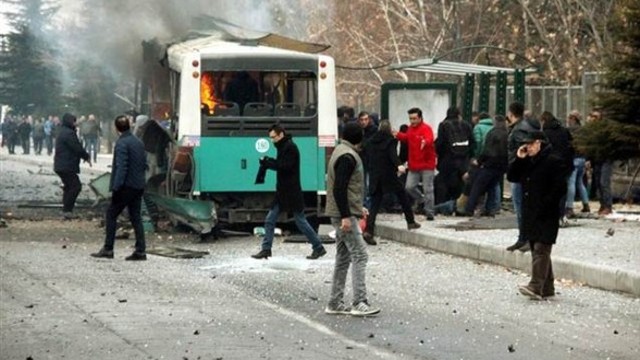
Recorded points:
109,33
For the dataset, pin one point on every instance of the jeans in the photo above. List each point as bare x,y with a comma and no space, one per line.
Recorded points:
576,180
132,200
350,248
48,139
91,145
494,198
606,199
426,197
485,180
71,190
37,145
301,222
516,197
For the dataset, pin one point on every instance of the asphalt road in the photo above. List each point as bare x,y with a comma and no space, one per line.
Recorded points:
56,302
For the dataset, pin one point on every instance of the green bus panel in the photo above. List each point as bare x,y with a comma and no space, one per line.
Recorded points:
228,164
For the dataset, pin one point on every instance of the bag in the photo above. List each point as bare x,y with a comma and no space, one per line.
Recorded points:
459,138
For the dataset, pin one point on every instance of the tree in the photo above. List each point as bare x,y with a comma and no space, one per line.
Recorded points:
31,73
618,137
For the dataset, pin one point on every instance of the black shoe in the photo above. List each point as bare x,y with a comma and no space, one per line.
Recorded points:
103,254
368,238
315,254
136,256
413,225
67,215
525,248
263,254
517,245
430,217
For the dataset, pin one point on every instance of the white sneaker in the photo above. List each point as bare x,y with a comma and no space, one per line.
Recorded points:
364,309
341,309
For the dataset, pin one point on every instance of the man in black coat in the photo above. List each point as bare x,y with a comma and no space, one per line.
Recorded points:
542,175
384,169
66,163
127,184
288,193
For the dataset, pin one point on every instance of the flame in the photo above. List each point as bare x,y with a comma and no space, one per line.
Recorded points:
207,91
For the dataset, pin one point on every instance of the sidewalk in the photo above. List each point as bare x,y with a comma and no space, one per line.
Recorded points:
585,251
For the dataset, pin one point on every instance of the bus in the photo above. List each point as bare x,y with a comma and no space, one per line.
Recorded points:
221,97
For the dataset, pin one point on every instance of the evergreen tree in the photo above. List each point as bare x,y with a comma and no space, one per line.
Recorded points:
31,82
618,137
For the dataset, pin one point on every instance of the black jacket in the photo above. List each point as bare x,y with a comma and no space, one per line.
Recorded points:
383,164
561,141
69,151
518,132
287,165
129,163
494,154
544,183
448,131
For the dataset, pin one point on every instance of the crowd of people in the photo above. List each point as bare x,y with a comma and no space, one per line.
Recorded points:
40,133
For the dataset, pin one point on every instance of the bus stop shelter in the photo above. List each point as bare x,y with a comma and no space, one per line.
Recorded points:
484,74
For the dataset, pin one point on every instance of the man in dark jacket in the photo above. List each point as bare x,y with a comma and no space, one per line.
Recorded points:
542,175
454,145
66,163
127,187
385,167
288,194
492,164
24,129
520,127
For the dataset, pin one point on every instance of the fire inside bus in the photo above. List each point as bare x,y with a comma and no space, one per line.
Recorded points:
223,96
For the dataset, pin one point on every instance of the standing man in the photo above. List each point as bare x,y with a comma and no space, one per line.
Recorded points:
345,190
24,129
454,145
66,163
92,132
48,134
288,193
364,120
127,186
520,127
421,162
542,175
38,136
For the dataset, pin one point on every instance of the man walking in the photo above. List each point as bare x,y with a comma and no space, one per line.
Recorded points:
288,193
127,186
542,175
345,190
422,160
66,163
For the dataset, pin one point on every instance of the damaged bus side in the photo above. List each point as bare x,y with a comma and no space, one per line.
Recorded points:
221,97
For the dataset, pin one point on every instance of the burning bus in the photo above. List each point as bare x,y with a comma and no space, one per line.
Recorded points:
220,94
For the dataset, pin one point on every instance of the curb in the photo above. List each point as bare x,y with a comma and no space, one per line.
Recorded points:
603,277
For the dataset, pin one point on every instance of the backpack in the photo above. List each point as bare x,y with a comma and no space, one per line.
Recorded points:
459,138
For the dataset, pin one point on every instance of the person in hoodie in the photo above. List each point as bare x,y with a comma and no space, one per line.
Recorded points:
542,175
385,169
66,163
421,161
289,195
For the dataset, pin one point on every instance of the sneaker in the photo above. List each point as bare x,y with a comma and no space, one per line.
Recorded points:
136,256
315,254
103,253
263,254
340,309
527,291
413,226
364,309
67,215
568,213
368,238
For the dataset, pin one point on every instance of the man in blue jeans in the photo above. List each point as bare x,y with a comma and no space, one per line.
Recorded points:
288,193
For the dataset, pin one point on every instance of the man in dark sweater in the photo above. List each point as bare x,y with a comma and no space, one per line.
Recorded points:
127,186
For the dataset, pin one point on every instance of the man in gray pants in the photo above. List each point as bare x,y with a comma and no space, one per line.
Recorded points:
345,193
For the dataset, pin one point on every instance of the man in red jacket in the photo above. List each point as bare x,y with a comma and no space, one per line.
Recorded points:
422,160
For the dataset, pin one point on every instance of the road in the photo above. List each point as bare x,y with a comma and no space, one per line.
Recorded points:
59,303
